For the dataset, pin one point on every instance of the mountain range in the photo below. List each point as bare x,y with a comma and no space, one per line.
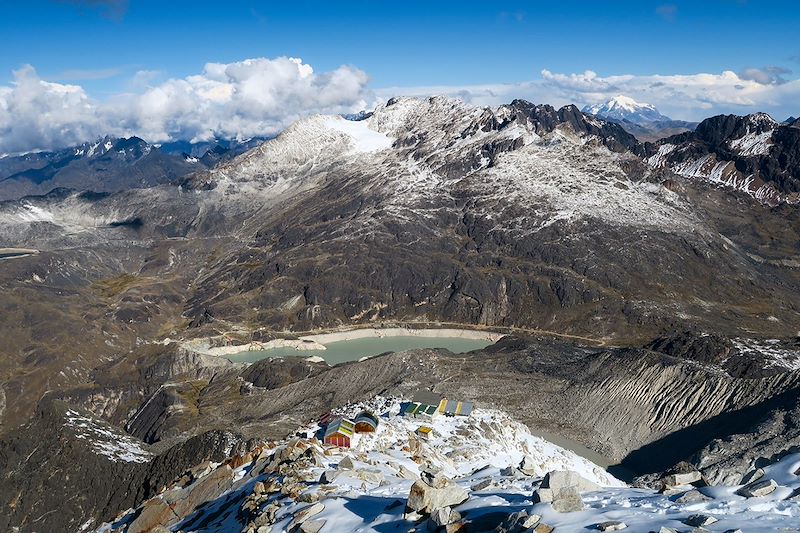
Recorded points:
111,164
642,120
651,312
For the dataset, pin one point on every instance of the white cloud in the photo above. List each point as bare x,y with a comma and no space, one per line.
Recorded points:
35,114
689,97
261,96
241,99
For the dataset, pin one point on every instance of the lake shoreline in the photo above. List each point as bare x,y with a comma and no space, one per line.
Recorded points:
316,342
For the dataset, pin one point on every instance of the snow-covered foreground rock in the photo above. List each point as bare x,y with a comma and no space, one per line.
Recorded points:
489,459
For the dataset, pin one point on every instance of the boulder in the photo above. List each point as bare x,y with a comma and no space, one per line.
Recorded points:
424,498
304,514
329,476
518,522
345,464
568,500
528,466
698,520
482,484
434,478
752,476
312,526
442,517
758,489
692,496
184,501
543,528
612,525
684,478
566,478
155,512
562,489
668,530
370,475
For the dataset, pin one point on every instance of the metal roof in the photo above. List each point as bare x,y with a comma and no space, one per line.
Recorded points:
341,426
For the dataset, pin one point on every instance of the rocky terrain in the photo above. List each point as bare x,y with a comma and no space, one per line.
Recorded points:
675,300
395,217
643,410
110,164
754,154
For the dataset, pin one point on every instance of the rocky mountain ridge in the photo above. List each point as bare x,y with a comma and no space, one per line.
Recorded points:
110,164
754,154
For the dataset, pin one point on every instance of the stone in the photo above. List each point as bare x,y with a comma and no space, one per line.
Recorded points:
441,517
612,525
517,522
543,528
405,473
329,476
568,501
733,531
455,527
692,496
668,530
264,529
187,499
370,476
752,476
531,521
155,511
528,466
304,514
424,498
567,478
685,478
562,488
434,478
312,526
345,464
697,520
482,484
258,488
758,489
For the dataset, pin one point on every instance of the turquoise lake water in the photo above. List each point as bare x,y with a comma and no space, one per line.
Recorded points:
353,350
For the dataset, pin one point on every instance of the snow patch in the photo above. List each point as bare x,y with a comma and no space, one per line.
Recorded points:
105,441
363,138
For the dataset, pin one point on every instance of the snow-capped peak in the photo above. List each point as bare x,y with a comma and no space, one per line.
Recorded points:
623,107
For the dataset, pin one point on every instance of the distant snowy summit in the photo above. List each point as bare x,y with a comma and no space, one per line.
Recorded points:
641,120
624,108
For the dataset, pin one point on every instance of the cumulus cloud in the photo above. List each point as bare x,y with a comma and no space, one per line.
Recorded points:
682,96
258,97
249,98
35,114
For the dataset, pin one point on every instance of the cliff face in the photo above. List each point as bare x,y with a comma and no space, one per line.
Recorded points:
750,153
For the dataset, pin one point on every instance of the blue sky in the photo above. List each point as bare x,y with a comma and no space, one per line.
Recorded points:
486,52
398,43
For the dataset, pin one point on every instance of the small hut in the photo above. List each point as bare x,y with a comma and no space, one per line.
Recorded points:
421,410
453,408
338,433
424,432
365,422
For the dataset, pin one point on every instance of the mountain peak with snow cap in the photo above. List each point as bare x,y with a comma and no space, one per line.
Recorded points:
625,108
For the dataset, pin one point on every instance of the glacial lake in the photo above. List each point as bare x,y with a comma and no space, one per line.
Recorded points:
355,349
